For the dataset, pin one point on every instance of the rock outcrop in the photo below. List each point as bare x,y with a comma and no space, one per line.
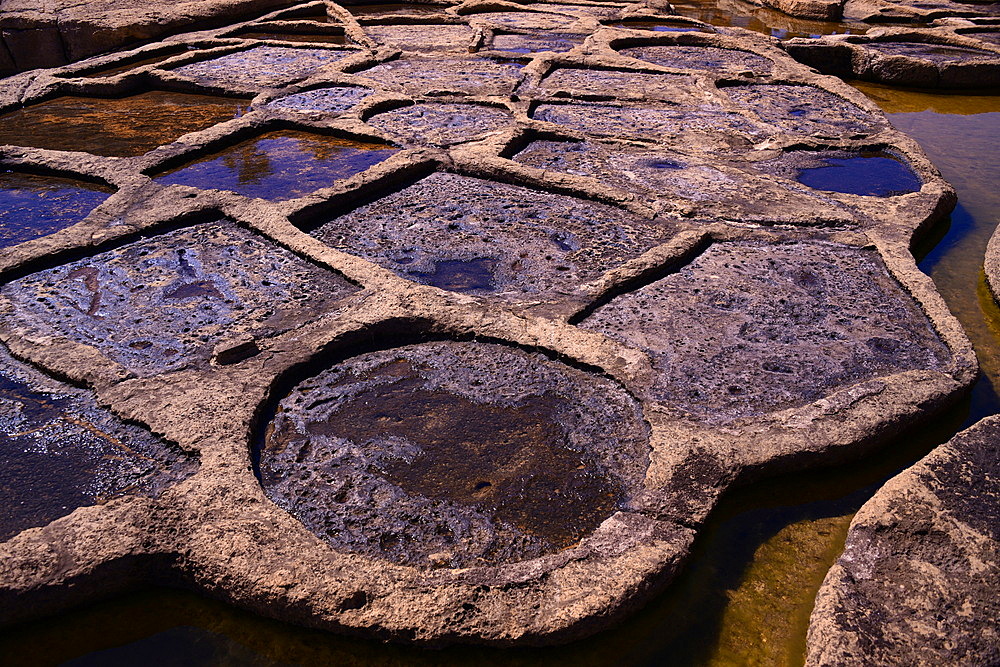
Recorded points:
469,313
916,584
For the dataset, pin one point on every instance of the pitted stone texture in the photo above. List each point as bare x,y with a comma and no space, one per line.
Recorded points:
616,83
32,206
806,110
262,66
442,123
525,20
423,37
474,76
454,454
60,451
701,58
334,100
935,53
717,189
705,128
504,242
163,303
557,43
749,328
916,584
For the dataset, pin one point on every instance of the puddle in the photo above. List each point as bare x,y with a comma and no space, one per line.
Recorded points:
734,13
163,303
393,9
262,66
747,328
873,174
538,245
473,275
806,110
60,451
32,206
332,100
454,454
442,124
315,38
423,37
659,26
473,77
115,127
557,43
279,165
700,58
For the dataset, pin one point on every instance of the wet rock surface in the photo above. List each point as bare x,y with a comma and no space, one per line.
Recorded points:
426,247
454,454
262,66
504,242
59,450
443,124
158,304
916,583
777,327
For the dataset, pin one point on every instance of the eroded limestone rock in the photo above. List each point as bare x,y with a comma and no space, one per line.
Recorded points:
917,581
427,304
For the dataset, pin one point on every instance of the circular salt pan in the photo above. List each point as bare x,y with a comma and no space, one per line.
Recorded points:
454,454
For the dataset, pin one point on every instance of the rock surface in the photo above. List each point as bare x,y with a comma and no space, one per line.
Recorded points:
916,584
345,265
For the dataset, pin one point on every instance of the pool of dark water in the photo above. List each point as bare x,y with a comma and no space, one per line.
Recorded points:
875,174
472,275
279,165
60,451
32,206
115,126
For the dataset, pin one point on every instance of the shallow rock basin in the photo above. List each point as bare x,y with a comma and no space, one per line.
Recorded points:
60,451
331,100
867,173
557,43
779,326
511,243
469,76
280,165
115,127
262,66
442,123
166,302
425,37
32,206
700,58
454,454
